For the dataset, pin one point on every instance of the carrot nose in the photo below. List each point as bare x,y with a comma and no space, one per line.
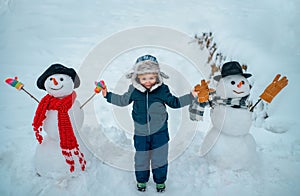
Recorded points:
54,81
240,84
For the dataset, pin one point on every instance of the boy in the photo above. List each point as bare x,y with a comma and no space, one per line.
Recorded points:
149,96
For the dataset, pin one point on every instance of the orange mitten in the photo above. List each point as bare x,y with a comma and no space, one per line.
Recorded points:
274,88
203,91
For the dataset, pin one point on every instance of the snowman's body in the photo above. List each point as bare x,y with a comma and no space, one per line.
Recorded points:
48,159
228,143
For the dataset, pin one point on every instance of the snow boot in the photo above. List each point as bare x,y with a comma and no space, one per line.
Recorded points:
161,187
141,186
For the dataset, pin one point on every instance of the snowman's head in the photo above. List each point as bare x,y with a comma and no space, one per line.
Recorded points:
233,81
59,85
58,80
233,86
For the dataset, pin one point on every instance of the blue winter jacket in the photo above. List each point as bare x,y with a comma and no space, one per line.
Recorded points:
149,108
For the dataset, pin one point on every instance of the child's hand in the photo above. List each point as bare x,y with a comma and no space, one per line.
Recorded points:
104,91
194,93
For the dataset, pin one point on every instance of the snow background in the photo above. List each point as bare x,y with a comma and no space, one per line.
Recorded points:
262,34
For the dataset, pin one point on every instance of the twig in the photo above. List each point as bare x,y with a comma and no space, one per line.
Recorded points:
251,109
30,94
89,99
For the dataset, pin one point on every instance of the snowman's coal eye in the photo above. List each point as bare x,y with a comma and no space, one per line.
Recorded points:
50,79
233,82
61,79
243,82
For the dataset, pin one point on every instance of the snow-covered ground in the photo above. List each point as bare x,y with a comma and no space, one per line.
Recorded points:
262,34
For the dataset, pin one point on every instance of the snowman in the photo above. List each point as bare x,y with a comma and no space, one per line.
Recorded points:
60,116
228,144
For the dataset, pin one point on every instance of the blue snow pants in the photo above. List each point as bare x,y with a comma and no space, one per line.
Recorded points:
151,150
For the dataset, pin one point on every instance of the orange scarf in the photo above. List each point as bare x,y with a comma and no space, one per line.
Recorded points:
68,142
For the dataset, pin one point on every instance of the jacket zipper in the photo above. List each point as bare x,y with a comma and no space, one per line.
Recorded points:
148,116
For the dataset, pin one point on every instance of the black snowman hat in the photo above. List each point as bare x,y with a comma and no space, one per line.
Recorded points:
231,68
58,69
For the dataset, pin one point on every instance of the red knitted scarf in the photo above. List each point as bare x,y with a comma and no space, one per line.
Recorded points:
68,142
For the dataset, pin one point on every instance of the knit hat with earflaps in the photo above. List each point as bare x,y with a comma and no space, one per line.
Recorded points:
144,65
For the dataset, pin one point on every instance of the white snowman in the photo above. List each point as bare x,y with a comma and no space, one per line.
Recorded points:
228,144
60,116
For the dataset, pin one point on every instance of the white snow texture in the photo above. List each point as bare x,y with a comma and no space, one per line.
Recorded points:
262,34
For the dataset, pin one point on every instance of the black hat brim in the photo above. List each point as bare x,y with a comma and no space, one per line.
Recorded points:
218,77
58,69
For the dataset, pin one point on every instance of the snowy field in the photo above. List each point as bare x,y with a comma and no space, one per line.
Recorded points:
262,34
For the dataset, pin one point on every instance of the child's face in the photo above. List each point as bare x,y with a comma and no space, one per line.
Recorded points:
147,80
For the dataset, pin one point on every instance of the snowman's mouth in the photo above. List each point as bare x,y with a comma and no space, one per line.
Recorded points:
238,92
56,89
